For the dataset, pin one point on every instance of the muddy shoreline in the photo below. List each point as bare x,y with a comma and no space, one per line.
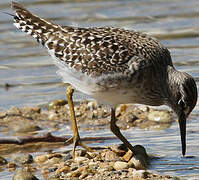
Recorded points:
113,162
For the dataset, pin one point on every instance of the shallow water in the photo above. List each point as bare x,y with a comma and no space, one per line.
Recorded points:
32,79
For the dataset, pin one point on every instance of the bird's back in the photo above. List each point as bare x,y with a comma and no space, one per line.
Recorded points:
94,51
98,59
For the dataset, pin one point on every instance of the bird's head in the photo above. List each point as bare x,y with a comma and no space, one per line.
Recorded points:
183,99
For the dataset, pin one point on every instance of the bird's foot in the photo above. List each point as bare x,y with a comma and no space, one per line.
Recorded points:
77,142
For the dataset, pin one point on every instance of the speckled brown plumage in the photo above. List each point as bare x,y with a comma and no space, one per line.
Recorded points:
94,51
114,65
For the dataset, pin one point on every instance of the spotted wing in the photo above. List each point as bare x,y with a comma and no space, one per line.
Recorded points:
93,51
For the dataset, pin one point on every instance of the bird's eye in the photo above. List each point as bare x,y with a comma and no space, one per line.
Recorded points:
182,104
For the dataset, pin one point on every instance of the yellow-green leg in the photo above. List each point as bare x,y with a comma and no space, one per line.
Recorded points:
115,129
76,137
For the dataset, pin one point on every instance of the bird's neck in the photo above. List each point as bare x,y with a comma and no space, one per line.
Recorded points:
175,79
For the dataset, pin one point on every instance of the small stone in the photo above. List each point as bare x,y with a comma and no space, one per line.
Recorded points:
92,105
120,110
73,167
63,169
131,119
127,156
89,115
52,161
144,108
53,169
83,175
11,165
40,159
24,159
52,115
80,159
139,174
67,157
75,173
119,165
81,152
57,103
27,127
160,116
36,109
57,155
22,174
3,161
111,156
120,149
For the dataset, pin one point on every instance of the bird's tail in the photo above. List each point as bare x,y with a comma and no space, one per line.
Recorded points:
31,24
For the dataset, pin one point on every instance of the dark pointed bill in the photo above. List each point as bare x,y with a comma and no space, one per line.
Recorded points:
182,124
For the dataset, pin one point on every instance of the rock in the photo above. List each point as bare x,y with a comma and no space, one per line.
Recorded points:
52,115
127,156
57,155
92,105
83,175
139,174
119,165
120,109
131,119
67,157
3,161
75,173
80,159
23,159
40,159
160,116
63,169
52,161
27,127
23,174
11,165
110,156
144,108
57,103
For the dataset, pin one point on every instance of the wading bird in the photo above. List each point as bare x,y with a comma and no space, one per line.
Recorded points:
114,66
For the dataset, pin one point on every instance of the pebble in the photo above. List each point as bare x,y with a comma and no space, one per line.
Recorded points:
127,156
57,103
139,174
80,159
23,159
40,159
119,165
113,163
63,169
160,116
11,165
67,157
52,115
22,174
120,109
27,127
83,175
92,105
75,173
144,108
110,156
3,161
